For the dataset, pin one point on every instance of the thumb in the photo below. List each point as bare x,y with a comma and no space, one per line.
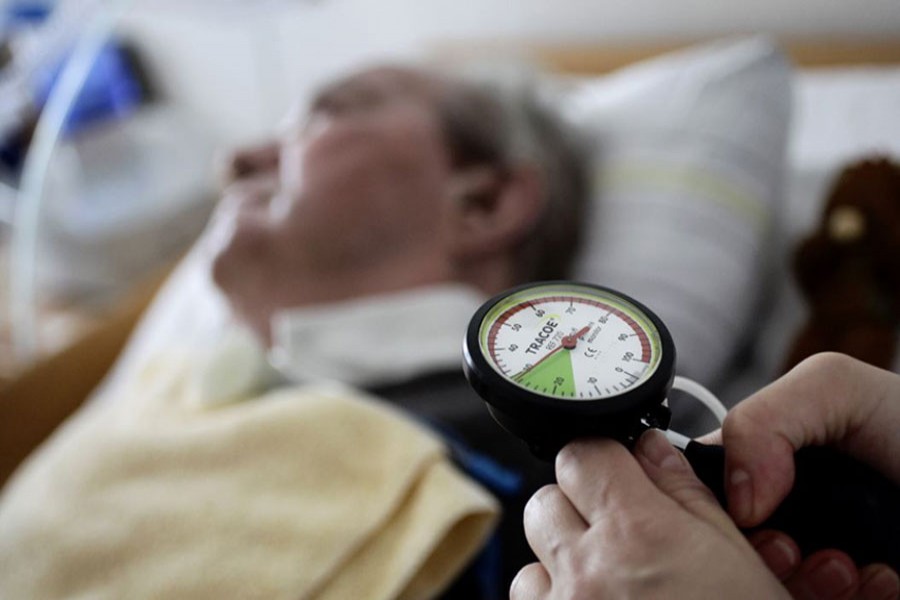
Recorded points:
670,471
827,399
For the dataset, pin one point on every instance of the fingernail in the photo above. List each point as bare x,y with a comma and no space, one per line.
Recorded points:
829,579
883,585
740,495
654,446
781,557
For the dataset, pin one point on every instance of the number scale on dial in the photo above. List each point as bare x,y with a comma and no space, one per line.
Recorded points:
571,347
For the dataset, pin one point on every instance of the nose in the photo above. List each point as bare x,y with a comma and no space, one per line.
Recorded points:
290,171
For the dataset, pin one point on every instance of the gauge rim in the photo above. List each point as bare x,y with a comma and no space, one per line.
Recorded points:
511,398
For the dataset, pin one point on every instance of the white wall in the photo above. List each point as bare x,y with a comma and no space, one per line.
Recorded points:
240,69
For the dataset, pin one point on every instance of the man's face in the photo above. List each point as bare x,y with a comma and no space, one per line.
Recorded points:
359,183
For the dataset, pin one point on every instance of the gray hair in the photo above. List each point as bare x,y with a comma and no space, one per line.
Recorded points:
506,118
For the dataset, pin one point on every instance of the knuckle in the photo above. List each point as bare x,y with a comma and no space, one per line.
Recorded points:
734,423
747,418
826,362
538,504
816,381
528,582
568,458
578,459
568,466
827,372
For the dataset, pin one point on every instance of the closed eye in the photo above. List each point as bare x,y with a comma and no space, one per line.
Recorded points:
346,98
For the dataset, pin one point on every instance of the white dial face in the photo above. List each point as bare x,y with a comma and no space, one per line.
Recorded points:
570,342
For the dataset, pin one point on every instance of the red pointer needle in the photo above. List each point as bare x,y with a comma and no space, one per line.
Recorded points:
568,342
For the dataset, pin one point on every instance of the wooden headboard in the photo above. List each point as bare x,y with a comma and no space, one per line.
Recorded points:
598,58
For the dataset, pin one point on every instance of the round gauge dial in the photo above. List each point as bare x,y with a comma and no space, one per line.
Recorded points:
559,360
568,342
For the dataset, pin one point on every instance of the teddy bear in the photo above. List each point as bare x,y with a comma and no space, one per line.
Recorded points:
848,269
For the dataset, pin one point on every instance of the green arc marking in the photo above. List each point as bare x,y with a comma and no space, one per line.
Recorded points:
545,375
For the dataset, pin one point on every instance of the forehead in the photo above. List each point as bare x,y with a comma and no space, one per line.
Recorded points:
387,81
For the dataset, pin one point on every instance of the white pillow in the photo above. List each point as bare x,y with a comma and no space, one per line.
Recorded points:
690,166
689,170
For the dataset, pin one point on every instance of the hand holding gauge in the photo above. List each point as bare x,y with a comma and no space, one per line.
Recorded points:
557,361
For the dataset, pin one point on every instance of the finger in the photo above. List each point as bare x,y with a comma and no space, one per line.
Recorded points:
552,525
878,582
670,471
600,477
532,583
713,438
778,551
825,575
827,399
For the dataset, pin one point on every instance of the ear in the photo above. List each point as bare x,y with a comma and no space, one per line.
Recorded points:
491,212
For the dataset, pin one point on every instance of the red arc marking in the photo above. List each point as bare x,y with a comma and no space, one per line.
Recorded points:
568,342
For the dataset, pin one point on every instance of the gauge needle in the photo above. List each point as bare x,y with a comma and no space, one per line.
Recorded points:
568,343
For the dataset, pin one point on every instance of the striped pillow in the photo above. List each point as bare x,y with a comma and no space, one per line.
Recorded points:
689,164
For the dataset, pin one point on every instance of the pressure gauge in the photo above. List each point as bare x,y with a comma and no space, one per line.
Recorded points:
559,360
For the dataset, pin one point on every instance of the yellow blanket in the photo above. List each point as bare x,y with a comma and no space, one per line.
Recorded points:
314,492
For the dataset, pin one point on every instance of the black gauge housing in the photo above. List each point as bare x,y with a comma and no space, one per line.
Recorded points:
547,423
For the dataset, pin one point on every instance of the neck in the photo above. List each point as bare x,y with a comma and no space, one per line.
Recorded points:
489,276
256,302
255,297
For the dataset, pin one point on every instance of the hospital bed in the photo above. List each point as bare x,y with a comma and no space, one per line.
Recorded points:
831,77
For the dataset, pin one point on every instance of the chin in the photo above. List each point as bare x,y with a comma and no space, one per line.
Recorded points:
222,268
239,255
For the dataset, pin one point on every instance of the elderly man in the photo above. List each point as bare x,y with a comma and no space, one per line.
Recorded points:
406,198
398,180
356,247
